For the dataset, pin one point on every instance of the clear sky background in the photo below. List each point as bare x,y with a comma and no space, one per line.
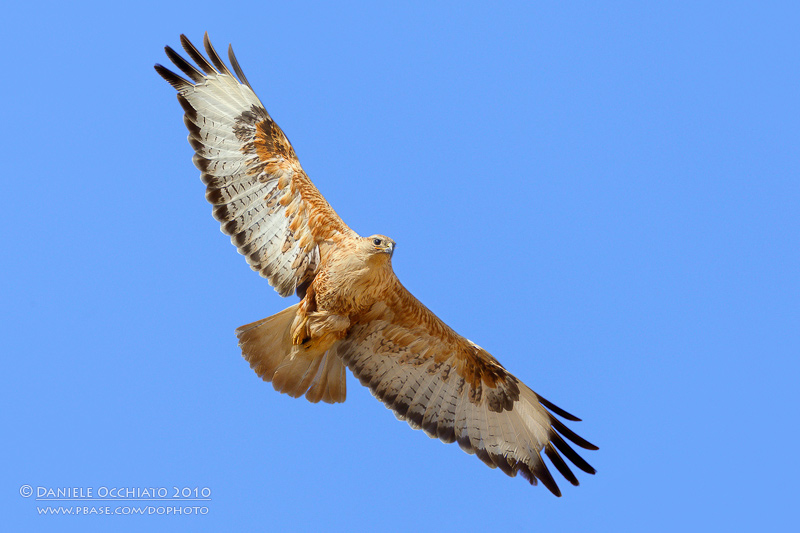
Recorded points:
604,195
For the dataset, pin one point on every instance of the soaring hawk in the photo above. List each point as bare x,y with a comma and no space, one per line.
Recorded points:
354,313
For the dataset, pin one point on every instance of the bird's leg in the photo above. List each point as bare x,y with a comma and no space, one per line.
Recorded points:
300,330
313,328
327,328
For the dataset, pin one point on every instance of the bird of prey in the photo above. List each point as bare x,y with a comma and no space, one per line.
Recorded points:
353,311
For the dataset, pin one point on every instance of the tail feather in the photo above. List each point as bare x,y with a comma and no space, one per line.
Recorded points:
294,370
330,382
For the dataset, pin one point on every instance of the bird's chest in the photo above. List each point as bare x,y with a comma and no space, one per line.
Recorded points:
349,287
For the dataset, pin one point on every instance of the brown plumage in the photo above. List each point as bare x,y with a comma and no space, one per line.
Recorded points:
353,311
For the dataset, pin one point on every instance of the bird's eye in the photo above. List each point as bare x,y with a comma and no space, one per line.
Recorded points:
376,242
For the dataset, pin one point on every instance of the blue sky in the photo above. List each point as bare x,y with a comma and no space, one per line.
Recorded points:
604,195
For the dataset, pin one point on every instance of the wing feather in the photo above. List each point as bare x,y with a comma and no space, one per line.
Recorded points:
260,194
196,56
236,68
440,382
212,54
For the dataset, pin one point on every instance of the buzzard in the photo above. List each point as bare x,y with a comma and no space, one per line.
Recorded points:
353,311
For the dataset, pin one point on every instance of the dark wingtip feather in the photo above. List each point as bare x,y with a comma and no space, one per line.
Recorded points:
557,410
196,56
560,464
214,56
173,79
571,435
540,471
571,454
236,68
187,68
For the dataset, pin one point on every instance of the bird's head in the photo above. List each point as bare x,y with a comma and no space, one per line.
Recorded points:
380,244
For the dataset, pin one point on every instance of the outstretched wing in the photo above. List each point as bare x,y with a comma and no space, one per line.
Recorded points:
454,390
261,196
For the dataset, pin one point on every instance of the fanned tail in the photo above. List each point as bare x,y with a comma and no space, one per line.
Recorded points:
293,369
